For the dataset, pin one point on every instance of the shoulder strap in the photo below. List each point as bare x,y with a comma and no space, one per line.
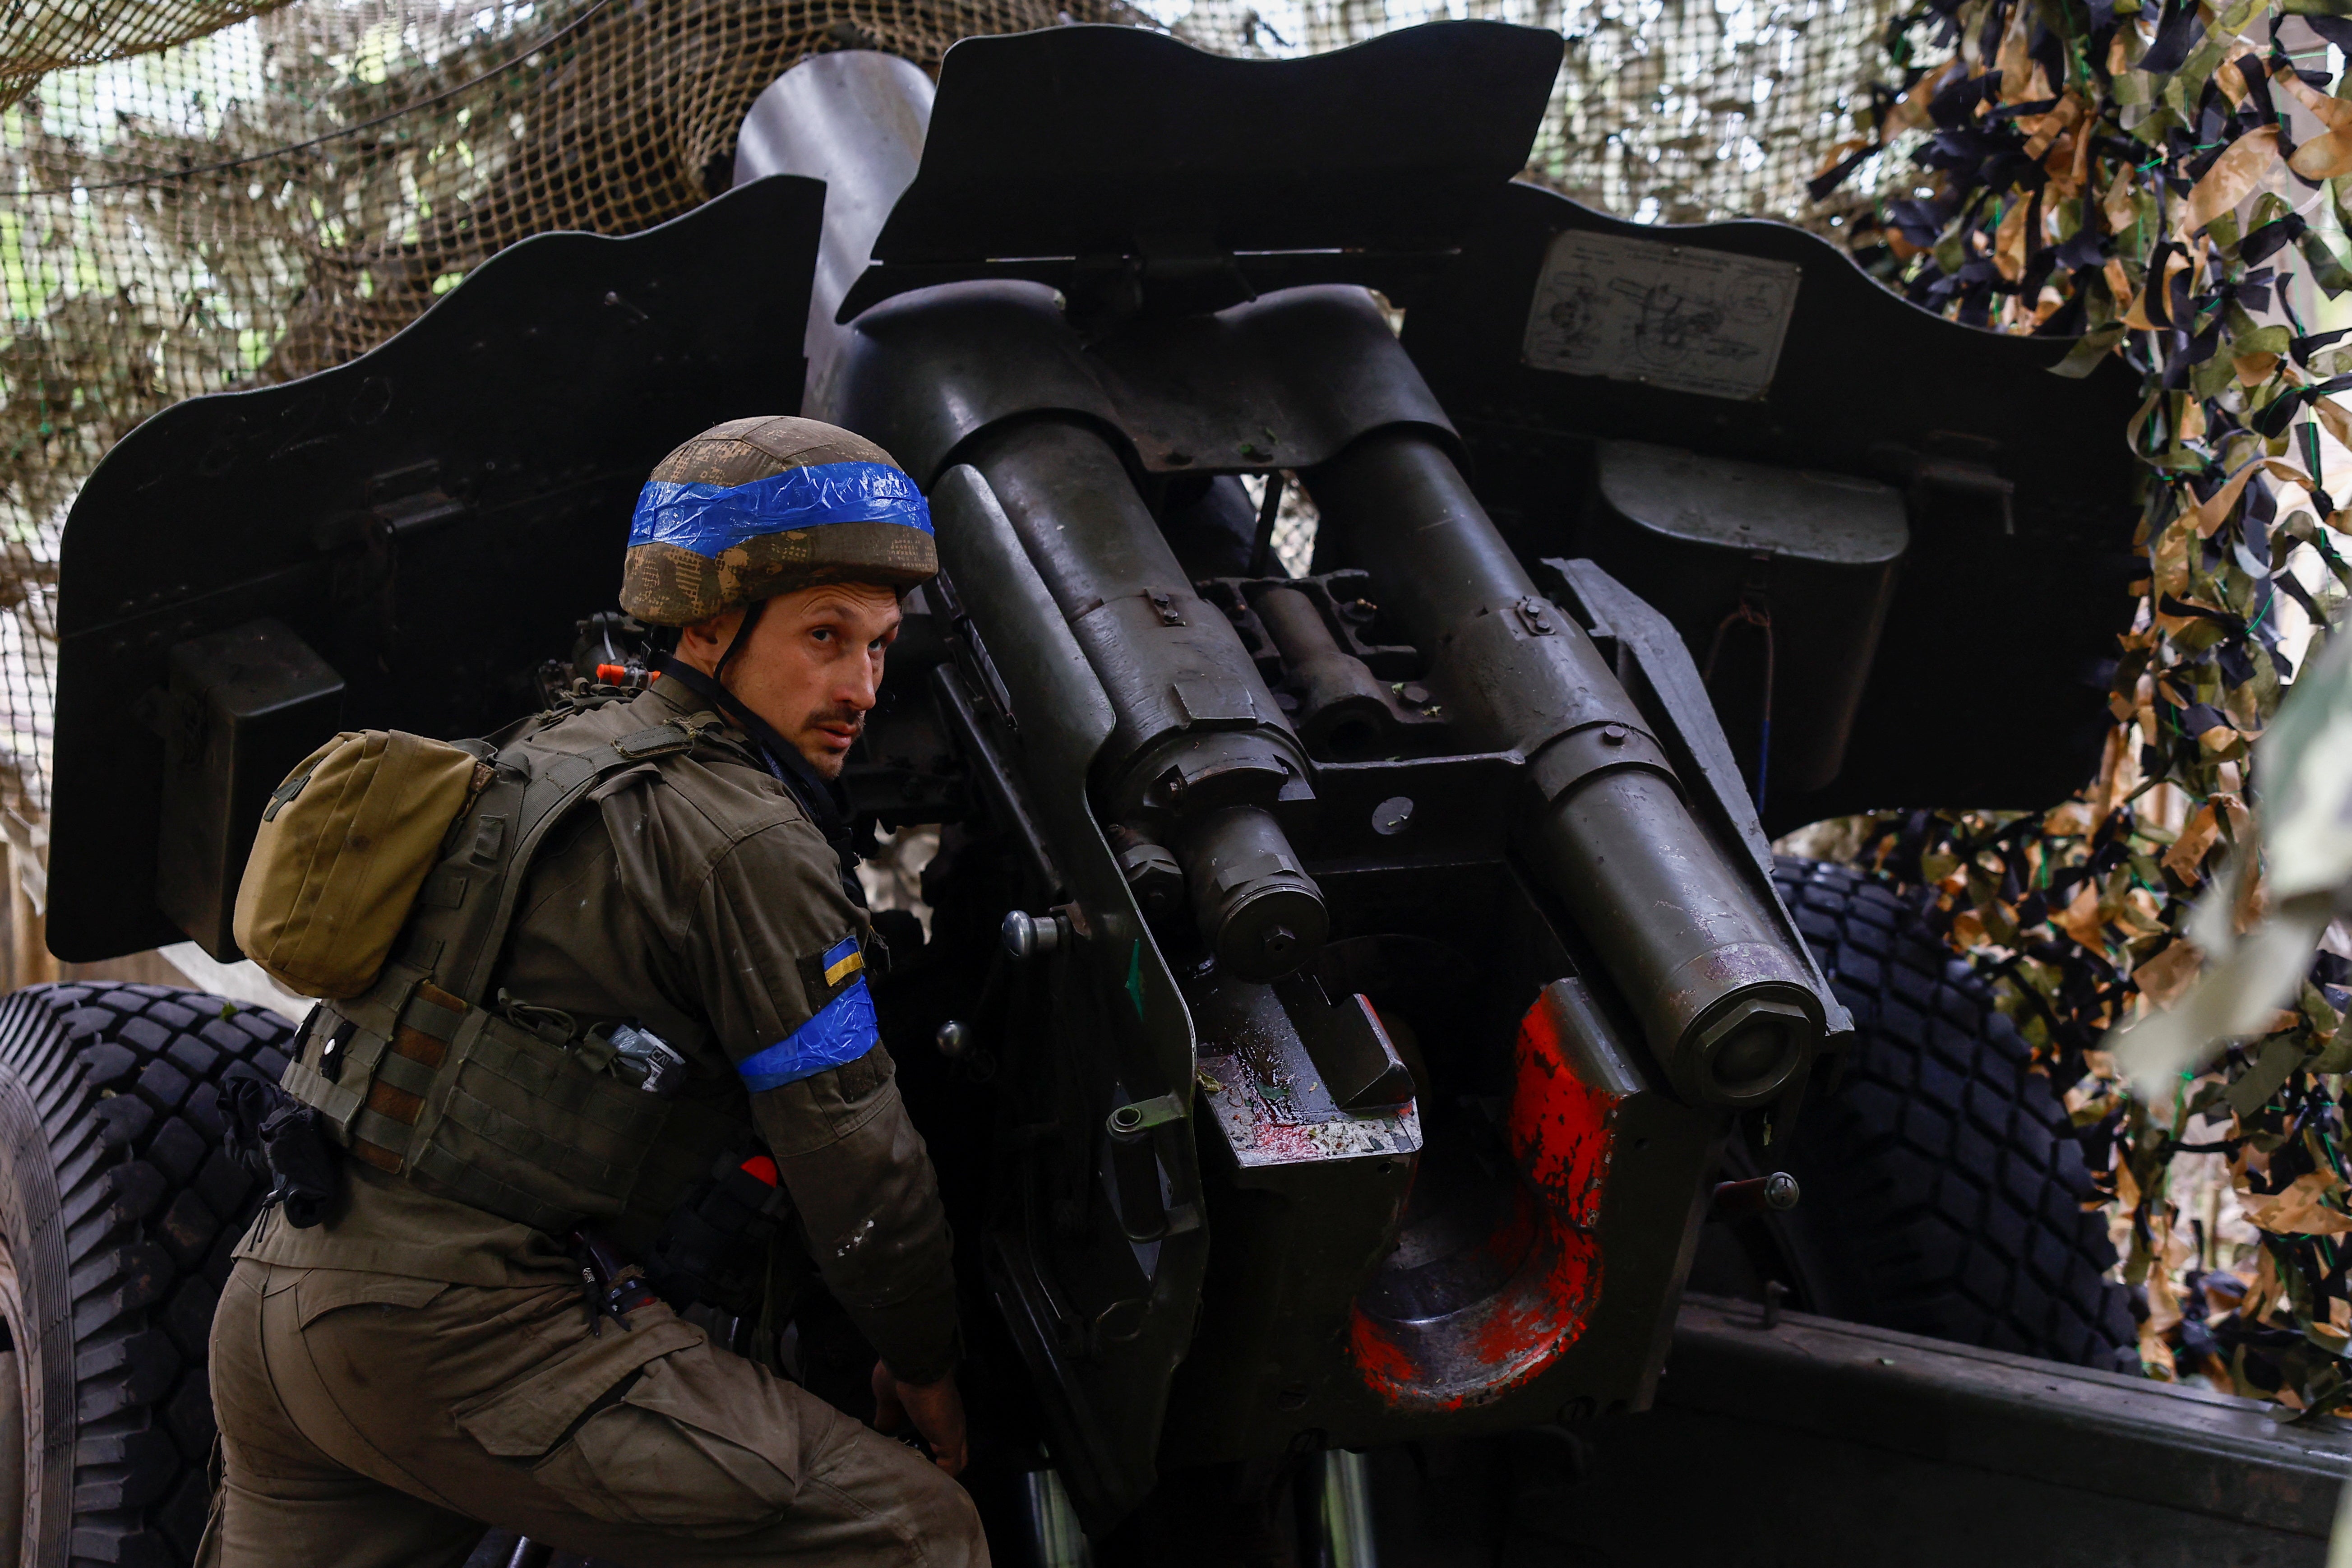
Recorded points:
468,902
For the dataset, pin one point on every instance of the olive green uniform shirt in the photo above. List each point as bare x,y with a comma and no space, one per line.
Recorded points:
692,895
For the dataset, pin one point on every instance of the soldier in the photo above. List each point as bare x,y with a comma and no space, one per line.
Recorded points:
421,1363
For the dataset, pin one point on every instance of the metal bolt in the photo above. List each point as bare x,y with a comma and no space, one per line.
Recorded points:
1735,1200
1027,936
1414,693
1614,734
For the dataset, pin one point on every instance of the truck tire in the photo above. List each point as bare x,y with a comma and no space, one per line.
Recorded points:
1943,1186
117,1211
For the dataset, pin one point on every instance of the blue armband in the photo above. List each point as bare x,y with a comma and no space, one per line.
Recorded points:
843,1030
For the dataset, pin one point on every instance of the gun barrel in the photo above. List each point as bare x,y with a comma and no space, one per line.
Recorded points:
1201,758
1728,1009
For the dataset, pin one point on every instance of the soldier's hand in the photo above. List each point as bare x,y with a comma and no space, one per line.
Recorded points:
936,1409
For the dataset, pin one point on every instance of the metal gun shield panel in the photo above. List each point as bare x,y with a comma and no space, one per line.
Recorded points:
1988,688
1073,141
430,519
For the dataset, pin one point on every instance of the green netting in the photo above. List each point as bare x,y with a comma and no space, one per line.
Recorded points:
2173,183
42,38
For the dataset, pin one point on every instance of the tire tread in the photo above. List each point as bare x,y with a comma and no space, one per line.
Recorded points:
1942,1148
125,1080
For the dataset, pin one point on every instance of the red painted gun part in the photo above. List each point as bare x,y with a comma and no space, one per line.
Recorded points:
1559,1126
1561,1131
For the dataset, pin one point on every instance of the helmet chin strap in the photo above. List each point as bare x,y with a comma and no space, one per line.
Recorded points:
752,613
711,686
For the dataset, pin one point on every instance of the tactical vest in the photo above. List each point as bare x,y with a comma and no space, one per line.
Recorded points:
516,1116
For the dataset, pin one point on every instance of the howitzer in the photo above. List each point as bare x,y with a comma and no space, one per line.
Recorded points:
1065,413
1346,987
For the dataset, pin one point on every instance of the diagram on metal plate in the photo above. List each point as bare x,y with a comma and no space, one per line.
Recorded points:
1666,315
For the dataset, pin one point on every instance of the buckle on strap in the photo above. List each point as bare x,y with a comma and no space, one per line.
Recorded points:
434,1012
662,740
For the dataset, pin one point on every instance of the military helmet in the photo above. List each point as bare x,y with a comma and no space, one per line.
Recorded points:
759,507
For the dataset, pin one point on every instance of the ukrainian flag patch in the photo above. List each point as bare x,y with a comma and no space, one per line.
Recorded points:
825,975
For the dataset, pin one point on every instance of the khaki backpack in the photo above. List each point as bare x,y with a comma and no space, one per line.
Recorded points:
343,847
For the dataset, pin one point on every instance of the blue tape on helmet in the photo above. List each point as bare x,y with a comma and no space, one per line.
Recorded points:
711,519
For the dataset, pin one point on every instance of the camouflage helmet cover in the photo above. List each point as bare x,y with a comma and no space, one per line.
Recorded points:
759,507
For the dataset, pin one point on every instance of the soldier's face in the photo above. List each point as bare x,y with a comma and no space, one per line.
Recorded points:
810,667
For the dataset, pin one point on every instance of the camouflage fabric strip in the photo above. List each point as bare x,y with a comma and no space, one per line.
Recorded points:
664,585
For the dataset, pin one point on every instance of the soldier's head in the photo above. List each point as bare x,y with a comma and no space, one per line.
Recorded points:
779,547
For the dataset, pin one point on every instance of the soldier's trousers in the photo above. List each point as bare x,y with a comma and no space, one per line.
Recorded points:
374,1422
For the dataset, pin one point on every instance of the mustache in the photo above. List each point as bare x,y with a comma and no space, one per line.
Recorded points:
839,713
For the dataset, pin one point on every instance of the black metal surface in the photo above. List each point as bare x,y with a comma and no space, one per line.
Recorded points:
1988,685
1837,1446
431,519
1731,1007
1284,383
1103,144
2107,1433
1784,574
1093,1237
1656,670
1200,759
1301,1196
1099,1295
1343,709
243,707
1452,954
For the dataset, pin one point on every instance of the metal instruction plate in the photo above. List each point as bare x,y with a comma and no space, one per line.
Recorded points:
1675,316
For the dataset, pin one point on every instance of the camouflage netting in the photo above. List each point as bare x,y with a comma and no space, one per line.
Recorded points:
43,38
2174,183
280,195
